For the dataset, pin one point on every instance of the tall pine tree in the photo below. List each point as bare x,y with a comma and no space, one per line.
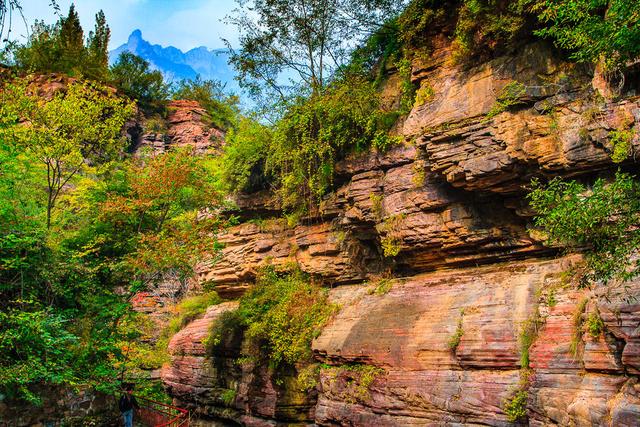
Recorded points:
97,48
61,48
71,43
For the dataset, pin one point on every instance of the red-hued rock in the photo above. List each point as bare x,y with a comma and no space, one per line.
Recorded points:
432,224
187,125
198,378
419,398
471,281
503,154
189,375
408,332
317,249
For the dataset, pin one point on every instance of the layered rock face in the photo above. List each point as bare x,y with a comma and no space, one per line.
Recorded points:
187,125
479,311
212,384
430,377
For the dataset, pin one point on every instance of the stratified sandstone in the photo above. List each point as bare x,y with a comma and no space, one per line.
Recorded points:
445,217
187,125
213,384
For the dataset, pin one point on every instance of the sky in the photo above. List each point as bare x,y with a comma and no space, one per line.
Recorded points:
184,24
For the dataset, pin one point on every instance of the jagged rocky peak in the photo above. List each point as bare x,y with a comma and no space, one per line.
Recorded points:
177,65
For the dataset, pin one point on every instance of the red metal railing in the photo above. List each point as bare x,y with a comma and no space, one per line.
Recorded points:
157,414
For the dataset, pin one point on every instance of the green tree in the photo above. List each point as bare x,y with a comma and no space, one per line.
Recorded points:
61,48
71,42
41,52
34,348
78,126
98,49
594,30
132,75
285,41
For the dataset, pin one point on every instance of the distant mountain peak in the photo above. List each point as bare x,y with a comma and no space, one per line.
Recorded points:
177,65
135,34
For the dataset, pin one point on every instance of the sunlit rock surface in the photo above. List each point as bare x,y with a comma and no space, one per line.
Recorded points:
444,216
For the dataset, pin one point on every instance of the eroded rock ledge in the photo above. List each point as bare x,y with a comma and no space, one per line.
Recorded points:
445,217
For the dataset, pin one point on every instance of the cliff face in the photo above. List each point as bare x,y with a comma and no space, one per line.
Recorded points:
186,126
473,295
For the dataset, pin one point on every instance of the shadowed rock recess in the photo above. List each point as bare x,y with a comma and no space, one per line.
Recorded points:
472,295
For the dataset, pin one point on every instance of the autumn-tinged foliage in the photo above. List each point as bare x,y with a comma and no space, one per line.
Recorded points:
165,206
75,127
82,229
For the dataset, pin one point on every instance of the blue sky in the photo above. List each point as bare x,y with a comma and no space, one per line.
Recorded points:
182,23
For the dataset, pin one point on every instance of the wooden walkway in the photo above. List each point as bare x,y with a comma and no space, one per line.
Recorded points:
157,414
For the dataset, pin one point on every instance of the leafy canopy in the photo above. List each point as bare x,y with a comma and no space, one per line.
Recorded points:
76,126
66,287
62,48
602,218
593,30
287,41
133,76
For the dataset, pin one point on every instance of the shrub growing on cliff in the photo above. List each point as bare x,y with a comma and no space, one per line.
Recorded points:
280,315
187,310
595,325
516,407
576,337
357,380
602,218
454,341
490,25
508,97
242,164
479,28
391,240
528,333
317,132
621,140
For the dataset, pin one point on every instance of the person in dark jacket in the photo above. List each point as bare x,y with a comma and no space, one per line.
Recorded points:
127,404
